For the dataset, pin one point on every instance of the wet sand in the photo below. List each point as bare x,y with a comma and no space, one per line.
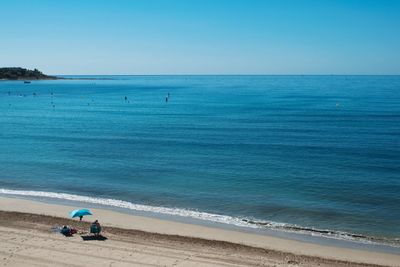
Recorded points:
27,239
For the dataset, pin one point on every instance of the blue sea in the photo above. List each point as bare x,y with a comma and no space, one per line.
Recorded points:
309,154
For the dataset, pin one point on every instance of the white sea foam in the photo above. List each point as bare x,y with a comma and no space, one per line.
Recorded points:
204,216
136,207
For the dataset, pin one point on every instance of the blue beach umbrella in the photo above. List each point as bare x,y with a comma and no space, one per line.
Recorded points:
79,213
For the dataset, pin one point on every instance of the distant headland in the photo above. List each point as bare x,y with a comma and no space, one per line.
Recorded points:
16,73
27,75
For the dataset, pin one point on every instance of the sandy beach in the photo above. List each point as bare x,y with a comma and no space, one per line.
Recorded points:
27,239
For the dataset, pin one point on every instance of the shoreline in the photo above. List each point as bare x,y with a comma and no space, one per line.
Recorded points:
327,237
115,219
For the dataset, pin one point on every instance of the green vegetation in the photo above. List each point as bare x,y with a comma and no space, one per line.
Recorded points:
23,74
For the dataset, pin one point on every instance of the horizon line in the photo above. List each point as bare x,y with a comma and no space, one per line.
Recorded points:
224,74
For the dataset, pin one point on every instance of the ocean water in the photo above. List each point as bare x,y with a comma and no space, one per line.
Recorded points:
317,154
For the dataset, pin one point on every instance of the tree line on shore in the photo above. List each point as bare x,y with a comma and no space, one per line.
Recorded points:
17,73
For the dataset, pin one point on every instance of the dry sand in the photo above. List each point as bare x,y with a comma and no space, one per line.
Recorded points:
26,239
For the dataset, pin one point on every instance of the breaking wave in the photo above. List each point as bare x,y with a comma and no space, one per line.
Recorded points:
205,216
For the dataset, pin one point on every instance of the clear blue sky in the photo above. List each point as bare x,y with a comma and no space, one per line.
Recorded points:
202,36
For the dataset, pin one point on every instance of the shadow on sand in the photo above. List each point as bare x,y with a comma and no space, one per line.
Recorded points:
94,237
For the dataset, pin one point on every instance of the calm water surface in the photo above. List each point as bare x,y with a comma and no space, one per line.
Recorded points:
320,152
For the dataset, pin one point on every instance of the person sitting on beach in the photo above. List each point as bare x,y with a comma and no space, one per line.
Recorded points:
95,228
